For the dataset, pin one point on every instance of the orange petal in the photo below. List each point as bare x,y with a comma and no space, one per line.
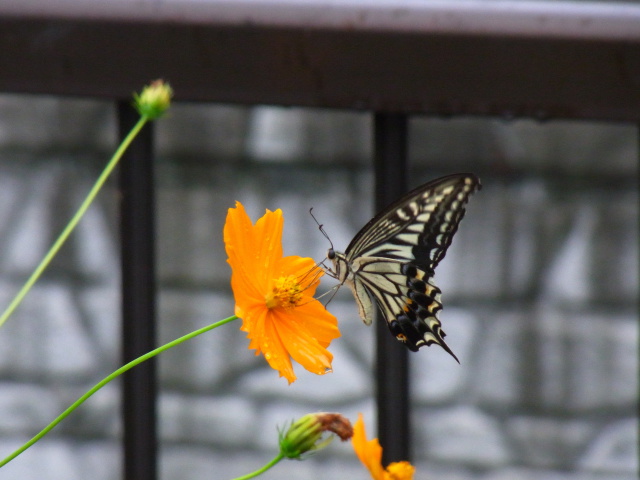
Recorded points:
262,332
237,231
239,244
245,291
302,346
274,350
267,242
368,451
253,322
400,471
314,318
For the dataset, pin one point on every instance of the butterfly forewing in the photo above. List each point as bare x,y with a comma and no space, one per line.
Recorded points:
419,226
392,259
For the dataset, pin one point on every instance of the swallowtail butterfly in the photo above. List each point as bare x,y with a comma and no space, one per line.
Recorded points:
392,260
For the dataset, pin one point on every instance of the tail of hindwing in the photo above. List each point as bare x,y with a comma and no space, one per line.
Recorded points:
418,324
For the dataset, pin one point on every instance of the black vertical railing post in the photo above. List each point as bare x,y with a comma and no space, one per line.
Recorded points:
638,190
390,158
137,233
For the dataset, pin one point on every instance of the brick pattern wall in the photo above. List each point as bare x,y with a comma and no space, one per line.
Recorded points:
540,291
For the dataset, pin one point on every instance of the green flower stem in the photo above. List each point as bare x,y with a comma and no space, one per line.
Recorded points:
260,471
74,221
107,379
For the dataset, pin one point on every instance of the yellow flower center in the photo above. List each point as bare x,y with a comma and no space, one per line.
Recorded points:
286,293
400,471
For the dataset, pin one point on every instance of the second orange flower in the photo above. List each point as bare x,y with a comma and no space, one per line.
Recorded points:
370,454
274,295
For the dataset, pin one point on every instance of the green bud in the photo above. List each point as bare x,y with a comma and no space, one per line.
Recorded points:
307,434
154,99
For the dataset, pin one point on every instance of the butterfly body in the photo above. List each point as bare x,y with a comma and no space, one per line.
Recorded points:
391,261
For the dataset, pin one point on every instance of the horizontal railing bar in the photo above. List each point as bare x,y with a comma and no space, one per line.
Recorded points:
542,60
539,19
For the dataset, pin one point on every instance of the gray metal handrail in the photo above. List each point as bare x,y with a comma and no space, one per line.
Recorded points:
541,18
536,59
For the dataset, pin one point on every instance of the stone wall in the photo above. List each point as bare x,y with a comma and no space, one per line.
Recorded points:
540,290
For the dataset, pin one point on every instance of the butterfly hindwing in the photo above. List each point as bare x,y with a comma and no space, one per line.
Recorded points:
391,261
406,296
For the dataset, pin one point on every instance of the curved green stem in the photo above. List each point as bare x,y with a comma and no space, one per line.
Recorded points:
260,471
44,263
107,379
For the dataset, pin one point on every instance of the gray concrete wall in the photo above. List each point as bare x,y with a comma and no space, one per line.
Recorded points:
540,293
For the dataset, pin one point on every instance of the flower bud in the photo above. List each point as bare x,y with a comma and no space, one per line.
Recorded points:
307,433
154,99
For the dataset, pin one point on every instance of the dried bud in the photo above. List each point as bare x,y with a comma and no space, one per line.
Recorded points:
307,433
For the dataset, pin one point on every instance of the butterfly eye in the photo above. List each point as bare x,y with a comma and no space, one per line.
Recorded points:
331,254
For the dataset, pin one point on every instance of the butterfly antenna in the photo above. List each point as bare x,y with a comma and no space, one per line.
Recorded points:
316,275
315,272
320,226
333,290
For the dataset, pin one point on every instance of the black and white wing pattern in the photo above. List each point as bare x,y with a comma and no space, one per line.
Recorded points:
392,259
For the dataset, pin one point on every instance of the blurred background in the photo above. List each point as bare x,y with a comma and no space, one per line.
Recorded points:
539,289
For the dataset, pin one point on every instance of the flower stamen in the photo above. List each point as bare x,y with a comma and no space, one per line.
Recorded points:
286,293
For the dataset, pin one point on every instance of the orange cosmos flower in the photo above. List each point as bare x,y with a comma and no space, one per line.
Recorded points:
274,295
370,454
